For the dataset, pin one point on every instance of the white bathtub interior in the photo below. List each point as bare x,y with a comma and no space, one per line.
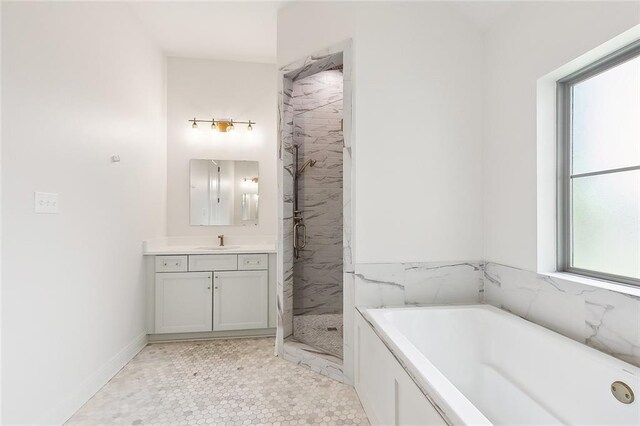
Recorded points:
513,371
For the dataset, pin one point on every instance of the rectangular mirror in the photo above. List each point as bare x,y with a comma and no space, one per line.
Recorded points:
223,192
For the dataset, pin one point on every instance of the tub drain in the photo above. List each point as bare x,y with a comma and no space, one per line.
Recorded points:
622,392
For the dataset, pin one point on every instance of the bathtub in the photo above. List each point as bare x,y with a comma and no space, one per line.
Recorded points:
476,364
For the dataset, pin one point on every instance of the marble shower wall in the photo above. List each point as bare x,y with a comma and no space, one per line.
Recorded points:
424,283
605,320
317,274
285,225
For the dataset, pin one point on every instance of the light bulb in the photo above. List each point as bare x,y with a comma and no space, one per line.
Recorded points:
195,124
250,127
214,125
230,128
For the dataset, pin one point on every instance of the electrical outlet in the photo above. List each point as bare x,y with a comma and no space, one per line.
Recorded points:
46,202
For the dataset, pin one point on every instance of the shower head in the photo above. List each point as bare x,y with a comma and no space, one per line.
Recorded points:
309,163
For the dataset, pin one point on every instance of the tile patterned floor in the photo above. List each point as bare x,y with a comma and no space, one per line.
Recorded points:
314,331
221,382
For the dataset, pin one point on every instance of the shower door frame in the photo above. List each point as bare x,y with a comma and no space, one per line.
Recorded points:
312,64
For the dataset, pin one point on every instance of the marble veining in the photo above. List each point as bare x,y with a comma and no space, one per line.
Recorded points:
313,64
315,359
605,320
327,59
317,273
397,284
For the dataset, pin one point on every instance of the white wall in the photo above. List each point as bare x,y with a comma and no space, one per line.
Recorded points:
417,115
220,89
422,64
533,40
323,24
80,82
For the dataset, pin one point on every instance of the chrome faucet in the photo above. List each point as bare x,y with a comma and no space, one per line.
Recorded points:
221,240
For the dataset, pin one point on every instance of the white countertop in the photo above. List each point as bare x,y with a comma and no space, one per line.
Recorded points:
205,250
186,245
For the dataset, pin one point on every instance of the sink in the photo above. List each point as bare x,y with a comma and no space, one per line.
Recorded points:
217,248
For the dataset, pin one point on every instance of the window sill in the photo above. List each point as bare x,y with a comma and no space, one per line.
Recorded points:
593,282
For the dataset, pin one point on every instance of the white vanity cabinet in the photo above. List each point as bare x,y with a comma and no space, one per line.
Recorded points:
183,302
211,295
240,300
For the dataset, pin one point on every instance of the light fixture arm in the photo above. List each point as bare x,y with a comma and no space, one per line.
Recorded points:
195,120
223,125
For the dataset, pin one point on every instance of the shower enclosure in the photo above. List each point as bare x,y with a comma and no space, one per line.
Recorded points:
317,102
315,277
314,252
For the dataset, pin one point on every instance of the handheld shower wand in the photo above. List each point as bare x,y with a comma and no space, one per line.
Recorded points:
309,163
299,228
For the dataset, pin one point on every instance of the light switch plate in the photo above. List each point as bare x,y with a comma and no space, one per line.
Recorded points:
46,202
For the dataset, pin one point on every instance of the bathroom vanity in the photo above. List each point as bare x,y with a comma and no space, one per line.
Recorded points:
206,292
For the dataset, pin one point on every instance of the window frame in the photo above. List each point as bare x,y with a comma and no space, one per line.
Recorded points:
564,165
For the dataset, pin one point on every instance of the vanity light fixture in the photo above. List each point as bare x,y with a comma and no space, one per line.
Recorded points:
224,125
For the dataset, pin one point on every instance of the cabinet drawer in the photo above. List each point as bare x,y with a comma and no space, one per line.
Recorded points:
213,262
171,263
247,262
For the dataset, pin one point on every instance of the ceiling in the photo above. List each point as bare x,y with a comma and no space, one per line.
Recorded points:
247,30
234,31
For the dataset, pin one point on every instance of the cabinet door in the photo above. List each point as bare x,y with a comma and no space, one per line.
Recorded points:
183,302
240,300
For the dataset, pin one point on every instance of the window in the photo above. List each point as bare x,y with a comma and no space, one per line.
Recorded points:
599,169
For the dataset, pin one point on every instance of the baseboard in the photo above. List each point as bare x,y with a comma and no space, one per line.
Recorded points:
94,383
210,335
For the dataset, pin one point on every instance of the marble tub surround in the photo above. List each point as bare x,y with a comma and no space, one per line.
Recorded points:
209,244
317,272
605,320
418,283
